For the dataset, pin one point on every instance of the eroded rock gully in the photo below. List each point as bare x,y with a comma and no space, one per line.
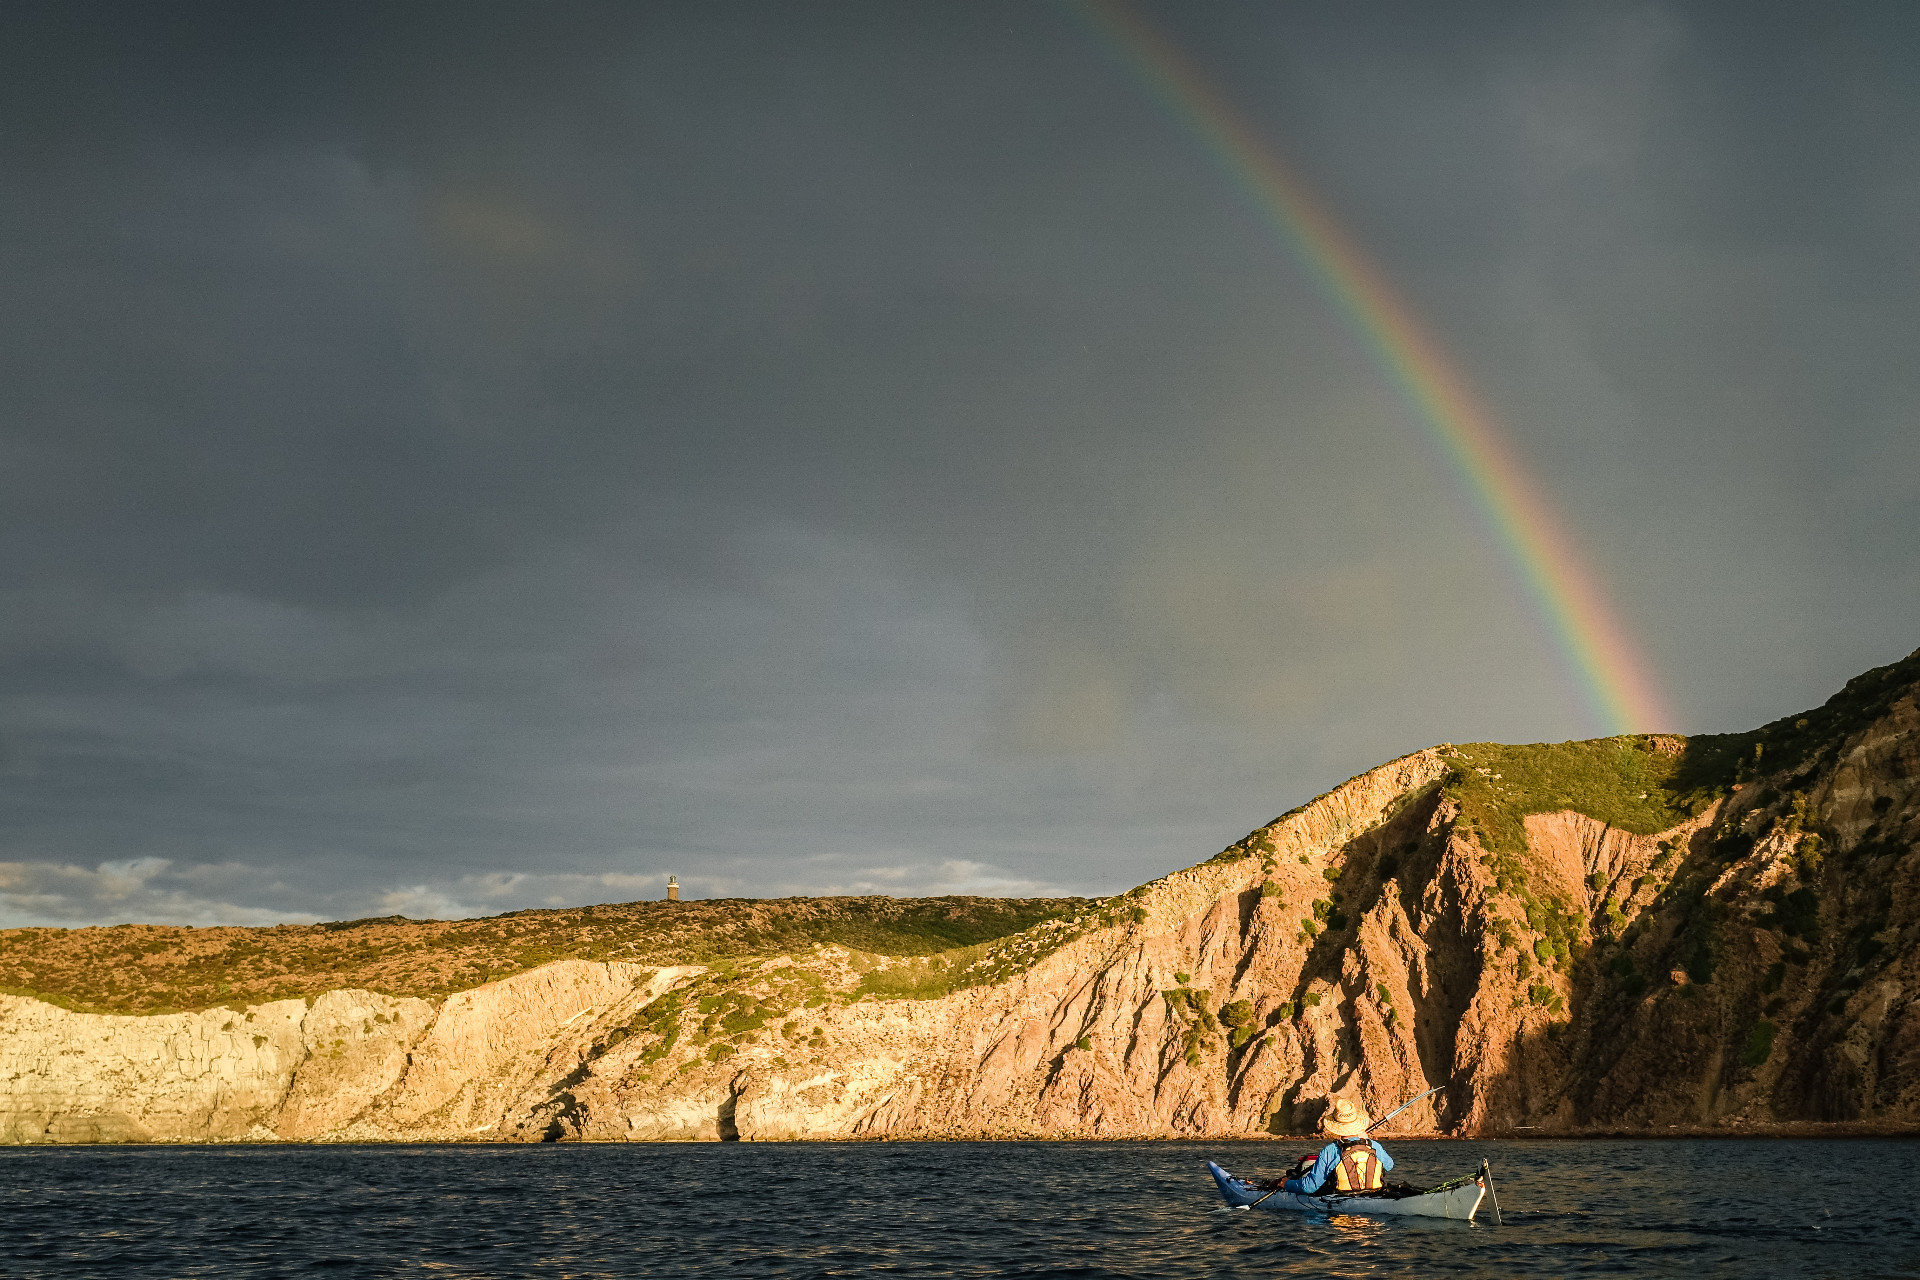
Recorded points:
1722,974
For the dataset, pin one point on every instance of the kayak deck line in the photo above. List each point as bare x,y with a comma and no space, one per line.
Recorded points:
1458,1199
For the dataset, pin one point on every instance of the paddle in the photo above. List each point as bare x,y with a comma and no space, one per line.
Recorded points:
1403,1106
1370,1128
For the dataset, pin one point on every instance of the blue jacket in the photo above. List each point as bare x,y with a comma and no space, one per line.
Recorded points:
1322,1171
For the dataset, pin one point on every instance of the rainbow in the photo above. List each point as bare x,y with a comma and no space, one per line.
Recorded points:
1613,680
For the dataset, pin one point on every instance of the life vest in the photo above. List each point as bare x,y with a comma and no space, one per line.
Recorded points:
1359,1168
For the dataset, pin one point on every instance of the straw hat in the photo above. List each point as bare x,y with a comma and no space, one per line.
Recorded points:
1344,1120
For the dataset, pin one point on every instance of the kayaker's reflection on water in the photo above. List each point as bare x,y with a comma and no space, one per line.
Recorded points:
1355,1228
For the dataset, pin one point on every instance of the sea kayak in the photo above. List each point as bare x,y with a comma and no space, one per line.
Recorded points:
1451,1200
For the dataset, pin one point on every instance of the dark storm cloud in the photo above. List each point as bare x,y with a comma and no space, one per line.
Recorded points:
462,457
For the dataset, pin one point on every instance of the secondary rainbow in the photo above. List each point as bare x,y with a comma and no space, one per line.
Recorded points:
1613,680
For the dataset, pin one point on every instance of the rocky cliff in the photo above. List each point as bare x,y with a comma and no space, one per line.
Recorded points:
1640,934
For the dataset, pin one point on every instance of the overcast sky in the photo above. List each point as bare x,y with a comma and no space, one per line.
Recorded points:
456,458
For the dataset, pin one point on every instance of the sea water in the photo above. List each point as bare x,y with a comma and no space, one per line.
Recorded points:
1645,1208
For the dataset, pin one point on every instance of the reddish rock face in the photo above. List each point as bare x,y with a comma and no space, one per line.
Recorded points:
1755,964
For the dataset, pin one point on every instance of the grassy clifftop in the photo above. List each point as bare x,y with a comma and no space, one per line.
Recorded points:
1641,784
1652,782
165,968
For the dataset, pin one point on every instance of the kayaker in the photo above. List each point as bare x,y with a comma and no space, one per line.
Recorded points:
1351,1162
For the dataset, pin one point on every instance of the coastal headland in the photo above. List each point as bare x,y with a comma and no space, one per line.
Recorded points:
1643,934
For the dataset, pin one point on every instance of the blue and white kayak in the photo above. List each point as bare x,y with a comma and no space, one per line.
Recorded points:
1455,1200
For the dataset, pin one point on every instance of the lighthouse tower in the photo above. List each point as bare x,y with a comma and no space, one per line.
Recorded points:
673,889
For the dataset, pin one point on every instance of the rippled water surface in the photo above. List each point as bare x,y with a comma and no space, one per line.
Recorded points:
1724,1208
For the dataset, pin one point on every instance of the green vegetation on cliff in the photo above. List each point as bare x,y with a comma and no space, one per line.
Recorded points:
1793,744
929,977
164,968
1639,783
1645,783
